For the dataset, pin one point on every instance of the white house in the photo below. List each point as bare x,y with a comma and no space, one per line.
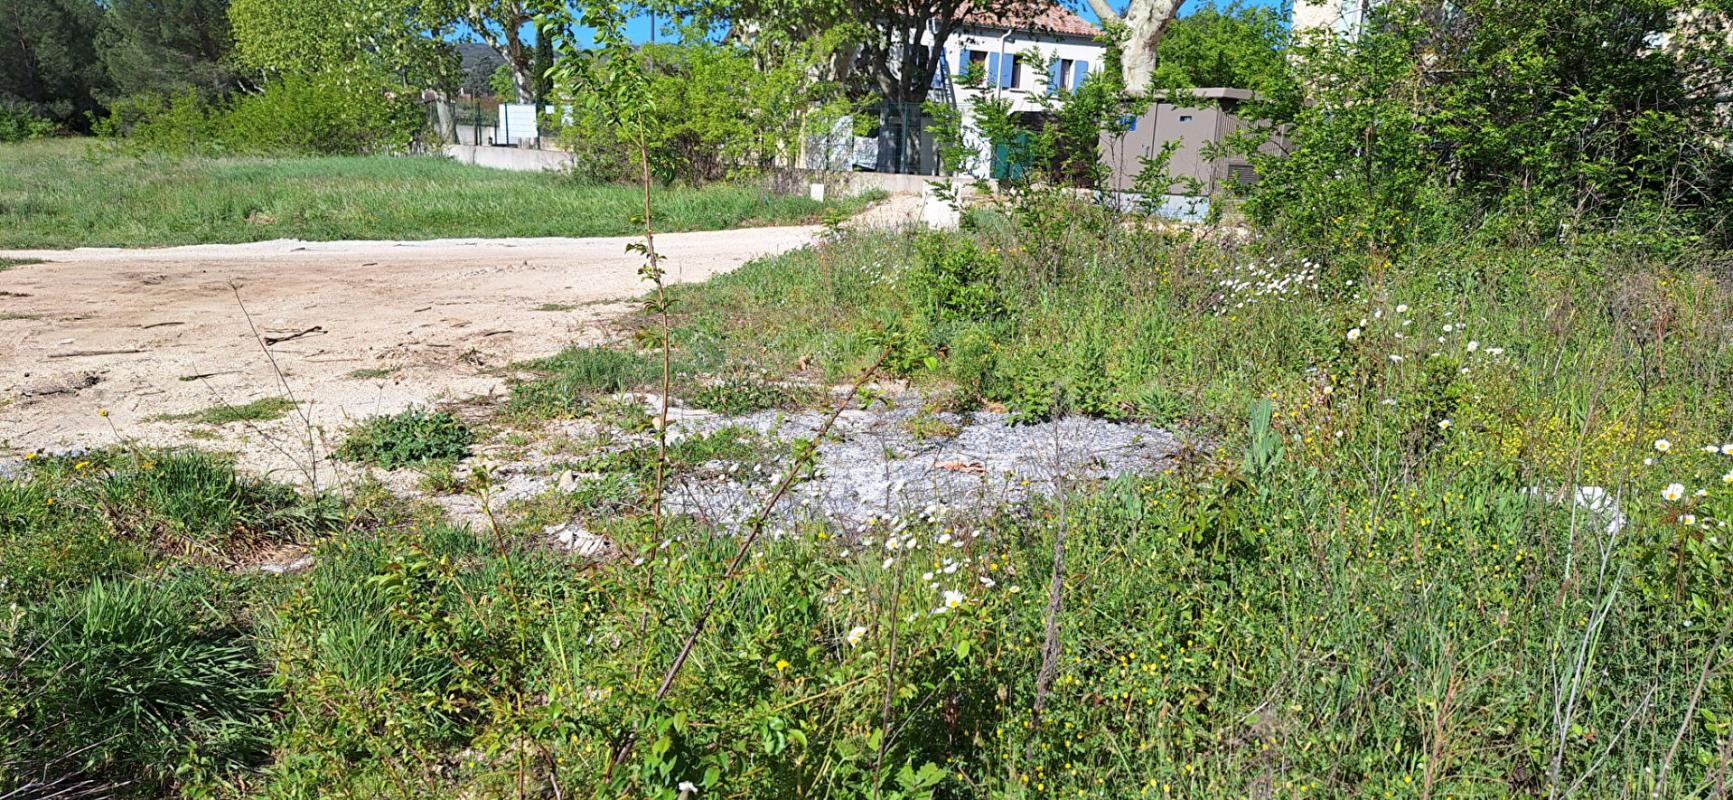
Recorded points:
1009,52
1006,52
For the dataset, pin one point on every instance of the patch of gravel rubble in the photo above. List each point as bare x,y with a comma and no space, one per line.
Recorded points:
871,467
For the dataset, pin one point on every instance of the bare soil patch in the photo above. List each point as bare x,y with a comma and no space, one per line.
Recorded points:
358,329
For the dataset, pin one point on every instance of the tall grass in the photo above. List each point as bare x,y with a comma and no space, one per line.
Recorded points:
53,196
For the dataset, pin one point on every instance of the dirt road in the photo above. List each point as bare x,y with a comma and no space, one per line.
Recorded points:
364,327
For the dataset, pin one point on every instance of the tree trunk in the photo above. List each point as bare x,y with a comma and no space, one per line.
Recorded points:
1143,23
525,83
447,115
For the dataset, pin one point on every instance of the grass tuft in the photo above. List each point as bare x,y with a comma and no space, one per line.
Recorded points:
262,410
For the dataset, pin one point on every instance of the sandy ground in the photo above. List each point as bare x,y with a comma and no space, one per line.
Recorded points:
143,333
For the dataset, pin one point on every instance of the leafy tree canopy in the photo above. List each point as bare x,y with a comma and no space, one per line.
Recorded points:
48,59
165,46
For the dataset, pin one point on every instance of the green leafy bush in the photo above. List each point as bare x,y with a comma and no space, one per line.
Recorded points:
19,122
137,684
290,115
954,281
416,436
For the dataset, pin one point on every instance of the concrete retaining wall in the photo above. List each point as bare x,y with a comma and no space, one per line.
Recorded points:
510,158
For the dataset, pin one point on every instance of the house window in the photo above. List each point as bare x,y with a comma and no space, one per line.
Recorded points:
1067,73
1016,72
977,59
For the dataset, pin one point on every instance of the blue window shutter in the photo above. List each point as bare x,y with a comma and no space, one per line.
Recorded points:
992,69
1007,65
1053,77
939,70
1077,74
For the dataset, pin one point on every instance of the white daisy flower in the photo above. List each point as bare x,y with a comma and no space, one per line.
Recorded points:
1673,492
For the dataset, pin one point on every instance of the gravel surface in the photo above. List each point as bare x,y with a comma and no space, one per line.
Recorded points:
872,466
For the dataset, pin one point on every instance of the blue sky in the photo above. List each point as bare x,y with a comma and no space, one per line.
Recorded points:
639,28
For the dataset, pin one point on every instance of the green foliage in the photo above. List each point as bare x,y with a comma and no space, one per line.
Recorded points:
1237,46
292,115
136,684
954,282
719,111
49,542
1558,116
49,66
166,46
416,436
193,500
19,122
735,396
369,42
67,521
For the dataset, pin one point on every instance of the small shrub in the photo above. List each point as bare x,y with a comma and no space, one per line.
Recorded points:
415,436
141,683
926,425
954,280
19,122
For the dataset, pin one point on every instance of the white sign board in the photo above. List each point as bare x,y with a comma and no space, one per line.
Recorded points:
517,123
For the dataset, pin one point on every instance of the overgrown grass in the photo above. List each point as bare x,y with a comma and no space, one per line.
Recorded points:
262,410
53,196
8,263
1369,581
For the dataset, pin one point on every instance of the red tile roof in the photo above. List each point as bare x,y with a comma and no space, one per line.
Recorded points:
1036,16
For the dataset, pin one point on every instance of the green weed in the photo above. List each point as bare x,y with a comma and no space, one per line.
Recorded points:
416,436
736,396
